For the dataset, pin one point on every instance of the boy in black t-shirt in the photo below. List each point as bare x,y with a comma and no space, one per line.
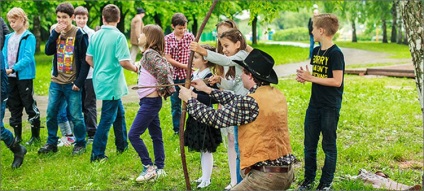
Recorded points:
322,114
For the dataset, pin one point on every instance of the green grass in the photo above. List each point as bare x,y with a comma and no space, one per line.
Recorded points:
380,128
395,50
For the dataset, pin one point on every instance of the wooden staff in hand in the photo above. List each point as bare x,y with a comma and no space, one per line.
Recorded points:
184,105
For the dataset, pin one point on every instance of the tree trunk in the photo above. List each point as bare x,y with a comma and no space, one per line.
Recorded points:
400,33
195,25
157,19
354,37
394,21
384,28
36,30
254,23
412,13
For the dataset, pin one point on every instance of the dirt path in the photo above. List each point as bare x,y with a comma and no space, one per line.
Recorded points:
352,56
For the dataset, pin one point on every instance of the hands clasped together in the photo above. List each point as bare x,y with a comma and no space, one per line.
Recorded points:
303,75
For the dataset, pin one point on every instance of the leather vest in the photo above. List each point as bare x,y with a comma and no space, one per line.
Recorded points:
266,138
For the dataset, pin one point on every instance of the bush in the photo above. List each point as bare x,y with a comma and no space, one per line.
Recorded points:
293,34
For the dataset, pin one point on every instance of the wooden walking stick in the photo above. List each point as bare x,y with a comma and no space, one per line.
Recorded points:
184,106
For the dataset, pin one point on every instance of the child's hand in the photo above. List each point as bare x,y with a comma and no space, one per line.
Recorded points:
303,75
214,79
194,46
60,27
200,85
185,94
9,71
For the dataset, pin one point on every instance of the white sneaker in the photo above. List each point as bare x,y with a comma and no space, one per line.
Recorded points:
204,184
198,180
149,172
160,173
60,143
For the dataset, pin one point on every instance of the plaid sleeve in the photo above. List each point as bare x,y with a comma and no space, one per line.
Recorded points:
168,43
239,111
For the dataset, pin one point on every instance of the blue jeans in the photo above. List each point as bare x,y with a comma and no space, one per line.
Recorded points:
311,45
176,106
236,147
112,113
6,136
63,114
321,120
58,93
148,118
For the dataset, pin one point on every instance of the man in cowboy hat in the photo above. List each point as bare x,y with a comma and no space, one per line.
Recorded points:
265,151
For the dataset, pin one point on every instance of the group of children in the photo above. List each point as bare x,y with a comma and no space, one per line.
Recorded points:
75,86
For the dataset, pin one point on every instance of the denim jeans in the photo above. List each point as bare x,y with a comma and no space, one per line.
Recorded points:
257,180
236,147
112,113
176,106
63,114
321,120
58,93
6,135
148,118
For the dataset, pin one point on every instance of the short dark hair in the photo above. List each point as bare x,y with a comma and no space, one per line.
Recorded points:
80,10
178,19
65,8
111,13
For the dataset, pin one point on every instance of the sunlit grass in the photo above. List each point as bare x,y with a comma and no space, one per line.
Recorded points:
380,128
395,50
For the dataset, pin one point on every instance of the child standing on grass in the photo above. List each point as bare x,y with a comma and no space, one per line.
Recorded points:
234,48
322,115
198,136
6,136
68,44
153,70
177,53
88,94
108,54
18,52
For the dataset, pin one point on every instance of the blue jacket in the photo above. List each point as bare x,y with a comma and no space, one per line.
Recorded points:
80,48
25,63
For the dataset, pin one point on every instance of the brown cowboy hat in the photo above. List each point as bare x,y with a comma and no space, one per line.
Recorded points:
260,64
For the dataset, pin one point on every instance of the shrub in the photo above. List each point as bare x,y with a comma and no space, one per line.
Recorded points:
293,34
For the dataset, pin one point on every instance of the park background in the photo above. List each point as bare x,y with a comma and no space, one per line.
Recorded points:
380,126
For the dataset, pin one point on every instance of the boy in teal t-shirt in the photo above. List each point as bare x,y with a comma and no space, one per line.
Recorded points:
108,53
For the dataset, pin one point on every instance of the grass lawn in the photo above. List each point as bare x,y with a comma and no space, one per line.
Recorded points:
380,128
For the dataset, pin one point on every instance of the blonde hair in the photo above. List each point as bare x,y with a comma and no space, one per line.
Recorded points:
328,22
16,13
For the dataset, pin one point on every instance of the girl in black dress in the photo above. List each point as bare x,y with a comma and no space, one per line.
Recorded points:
198,136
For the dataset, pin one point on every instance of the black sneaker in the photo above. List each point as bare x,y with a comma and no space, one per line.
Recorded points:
47,148
324,187
78,150
306,185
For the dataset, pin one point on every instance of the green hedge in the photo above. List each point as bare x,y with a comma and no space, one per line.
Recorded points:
292,34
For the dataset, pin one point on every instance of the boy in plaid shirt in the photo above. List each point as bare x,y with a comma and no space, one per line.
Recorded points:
177,53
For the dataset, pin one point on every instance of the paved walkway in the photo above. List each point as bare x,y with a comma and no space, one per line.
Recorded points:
352,56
